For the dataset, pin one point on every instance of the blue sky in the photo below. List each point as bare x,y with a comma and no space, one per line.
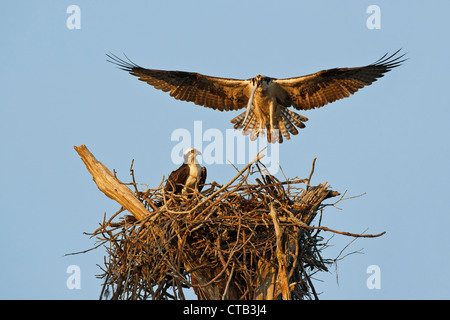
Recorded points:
389,141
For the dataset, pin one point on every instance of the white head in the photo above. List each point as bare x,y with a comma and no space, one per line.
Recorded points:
190,154
261,81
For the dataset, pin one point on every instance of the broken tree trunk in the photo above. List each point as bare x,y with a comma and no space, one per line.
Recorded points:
110,185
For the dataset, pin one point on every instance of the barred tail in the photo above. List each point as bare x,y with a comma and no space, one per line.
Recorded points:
286,124
249,126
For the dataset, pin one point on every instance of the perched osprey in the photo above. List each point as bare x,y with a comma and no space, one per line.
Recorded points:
188,177
266,99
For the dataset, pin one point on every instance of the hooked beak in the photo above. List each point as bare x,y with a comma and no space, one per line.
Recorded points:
190,156
259,82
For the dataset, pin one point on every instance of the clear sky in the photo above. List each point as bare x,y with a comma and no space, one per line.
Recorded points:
389,140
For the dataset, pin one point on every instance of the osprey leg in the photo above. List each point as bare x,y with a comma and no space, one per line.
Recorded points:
249,104
274,128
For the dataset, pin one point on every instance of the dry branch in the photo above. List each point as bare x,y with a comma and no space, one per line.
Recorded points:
241,240
110,185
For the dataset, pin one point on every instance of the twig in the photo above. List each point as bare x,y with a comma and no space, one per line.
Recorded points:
87,250
308,184
228,281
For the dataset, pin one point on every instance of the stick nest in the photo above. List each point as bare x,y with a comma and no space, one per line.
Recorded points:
249,239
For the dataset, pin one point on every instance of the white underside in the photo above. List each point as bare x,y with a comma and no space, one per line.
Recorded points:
194,175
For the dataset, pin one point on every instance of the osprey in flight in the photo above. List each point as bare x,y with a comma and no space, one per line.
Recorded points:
265,99
188,177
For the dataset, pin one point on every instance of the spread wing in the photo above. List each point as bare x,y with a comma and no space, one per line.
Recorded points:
212,92
318,89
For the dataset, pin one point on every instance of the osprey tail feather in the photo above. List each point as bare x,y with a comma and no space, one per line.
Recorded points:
286,124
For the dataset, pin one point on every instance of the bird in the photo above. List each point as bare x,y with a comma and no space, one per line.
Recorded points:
267,100
188,177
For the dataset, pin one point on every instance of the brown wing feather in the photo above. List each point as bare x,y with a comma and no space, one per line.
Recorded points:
177,179
212,92
201,181
318,89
